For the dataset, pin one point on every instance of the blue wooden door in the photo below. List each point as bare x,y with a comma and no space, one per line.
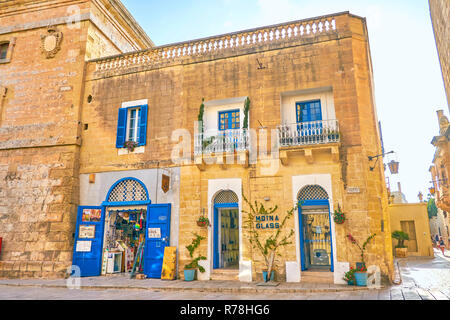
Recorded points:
217,226
316,247
157,238
88,247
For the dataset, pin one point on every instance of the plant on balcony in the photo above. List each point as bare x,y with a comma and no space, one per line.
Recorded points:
193,266
339,216
269,245
246,112
334,135
207,142
130,145
200,116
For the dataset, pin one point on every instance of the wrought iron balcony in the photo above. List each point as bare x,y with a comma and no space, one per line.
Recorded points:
226,141
309,133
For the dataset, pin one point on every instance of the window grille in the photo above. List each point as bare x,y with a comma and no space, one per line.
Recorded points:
226,197
128,190
312,192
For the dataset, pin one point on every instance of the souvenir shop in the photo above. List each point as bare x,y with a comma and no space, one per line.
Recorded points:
124,241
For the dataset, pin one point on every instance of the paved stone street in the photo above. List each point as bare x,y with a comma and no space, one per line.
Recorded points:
423,279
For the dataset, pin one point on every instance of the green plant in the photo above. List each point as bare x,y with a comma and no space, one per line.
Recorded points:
200,115
432,208
193,265
208,141
363,247
203,220
400,236
350,275
269,245
339,216
246,111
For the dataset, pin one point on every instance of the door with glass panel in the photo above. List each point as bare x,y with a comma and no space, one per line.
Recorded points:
309,121
229,125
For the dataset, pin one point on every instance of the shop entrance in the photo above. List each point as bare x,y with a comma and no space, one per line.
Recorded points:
315,230
124,241
226,231
127,232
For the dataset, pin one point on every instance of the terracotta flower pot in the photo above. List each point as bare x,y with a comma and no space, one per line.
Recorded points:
401,252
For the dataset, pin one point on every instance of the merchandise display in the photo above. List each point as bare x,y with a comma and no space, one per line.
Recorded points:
124,232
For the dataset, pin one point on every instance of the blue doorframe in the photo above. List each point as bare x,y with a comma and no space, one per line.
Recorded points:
216,227
310,203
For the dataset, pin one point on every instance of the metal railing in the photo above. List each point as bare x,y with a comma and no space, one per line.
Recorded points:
221,141
309,133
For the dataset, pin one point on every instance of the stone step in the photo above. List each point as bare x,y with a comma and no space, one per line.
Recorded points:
317,277
225,275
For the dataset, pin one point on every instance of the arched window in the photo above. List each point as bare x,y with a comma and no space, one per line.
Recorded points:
128,190
312,192
226,197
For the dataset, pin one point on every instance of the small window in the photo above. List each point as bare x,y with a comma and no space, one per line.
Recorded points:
4,50
132,126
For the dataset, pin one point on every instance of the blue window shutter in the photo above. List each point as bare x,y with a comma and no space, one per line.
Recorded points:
121,128
143,126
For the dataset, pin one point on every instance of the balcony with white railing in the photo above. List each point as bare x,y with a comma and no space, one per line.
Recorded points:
220,145
307,136
309,133
216,141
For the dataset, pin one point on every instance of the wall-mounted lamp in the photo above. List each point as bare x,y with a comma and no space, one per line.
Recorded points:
394,164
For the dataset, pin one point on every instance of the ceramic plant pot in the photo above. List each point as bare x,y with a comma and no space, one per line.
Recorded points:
361,279
272,276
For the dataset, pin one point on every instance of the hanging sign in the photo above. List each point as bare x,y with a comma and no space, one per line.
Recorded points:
154,233
86,232
165,183
84,246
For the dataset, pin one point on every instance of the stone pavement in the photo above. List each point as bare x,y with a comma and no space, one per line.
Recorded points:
422,279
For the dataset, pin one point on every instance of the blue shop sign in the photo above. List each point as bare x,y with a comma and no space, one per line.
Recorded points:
267,222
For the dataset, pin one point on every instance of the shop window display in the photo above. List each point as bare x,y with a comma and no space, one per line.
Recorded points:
125,231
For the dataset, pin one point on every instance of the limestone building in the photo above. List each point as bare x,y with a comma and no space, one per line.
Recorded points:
102,149
440,16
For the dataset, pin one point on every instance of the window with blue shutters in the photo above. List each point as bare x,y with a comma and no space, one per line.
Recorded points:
132,126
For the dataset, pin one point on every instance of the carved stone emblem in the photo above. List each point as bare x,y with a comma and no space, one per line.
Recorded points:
51,42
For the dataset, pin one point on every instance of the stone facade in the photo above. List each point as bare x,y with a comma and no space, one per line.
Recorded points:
40,129
440,15
321,57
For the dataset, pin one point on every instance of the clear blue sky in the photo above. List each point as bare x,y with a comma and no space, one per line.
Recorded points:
408,82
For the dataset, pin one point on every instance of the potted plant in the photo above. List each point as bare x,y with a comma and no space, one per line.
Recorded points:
339,216
269,245
130,145
401,250
203,222
333,135
349,277
191,268
361,269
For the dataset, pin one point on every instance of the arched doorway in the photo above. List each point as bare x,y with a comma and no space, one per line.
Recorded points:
316,247
226,231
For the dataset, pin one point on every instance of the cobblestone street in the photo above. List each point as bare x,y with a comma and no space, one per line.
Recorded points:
423,279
